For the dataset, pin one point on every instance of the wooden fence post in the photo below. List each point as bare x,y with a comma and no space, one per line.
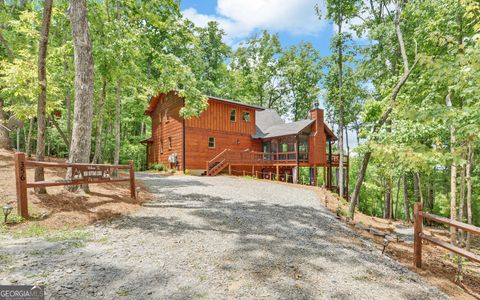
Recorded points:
21,182
417,239
132,180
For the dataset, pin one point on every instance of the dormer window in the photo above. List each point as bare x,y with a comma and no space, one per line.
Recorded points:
233,115
246,116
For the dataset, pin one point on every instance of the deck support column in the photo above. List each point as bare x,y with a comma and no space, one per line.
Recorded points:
329,164
298,159
229,169
278,174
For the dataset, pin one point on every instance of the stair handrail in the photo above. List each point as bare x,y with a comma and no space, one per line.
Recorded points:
218,157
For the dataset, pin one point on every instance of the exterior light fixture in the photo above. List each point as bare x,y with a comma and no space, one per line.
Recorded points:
7,209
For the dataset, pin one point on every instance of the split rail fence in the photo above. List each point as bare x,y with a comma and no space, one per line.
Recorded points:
419,215
81,174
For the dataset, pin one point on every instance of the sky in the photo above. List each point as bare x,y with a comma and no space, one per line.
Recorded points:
293,20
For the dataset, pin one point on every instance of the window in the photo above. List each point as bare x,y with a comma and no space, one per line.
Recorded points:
211,142
167,116
246,116
161,146
233,115
169,143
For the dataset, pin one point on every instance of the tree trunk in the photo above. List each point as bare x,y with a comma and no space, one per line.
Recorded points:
468,175
28,147
381,122
346,141
453,174
406,202
387,196
17,148
461,205
395,215
68,102
4,134
340,110
97,157
82,117
42,97
116,154
60,131
6,46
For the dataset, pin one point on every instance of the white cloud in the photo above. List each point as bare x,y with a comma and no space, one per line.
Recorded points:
239,18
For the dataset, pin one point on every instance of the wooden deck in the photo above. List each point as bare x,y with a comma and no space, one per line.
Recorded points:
229,157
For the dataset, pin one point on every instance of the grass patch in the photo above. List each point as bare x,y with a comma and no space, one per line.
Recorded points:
74,237
361,277
123,292
12,218
33,230
5,259
68,235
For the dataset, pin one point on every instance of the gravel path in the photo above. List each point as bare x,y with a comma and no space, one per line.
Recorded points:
214,238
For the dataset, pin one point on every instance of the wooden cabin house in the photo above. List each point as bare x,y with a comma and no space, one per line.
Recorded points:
240,139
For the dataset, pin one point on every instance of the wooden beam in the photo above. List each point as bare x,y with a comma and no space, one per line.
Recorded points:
21,184
471,256
133,194
329,164
417,237
72,182
32,163
460,225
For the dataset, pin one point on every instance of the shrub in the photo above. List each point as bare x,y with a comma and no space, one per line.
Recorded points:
158,167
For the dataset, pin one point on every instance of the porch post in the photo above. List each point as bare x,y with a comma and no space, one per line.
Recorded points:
298,163
329,164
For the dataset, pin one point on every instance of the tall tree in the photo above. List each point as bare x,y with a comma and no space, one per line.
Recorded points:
257,62
393,97
212,71
42,97
301,71
83,105
340,12
4,136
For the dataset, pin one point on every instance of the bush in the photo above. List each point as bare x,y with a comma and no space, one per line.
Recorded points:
158,167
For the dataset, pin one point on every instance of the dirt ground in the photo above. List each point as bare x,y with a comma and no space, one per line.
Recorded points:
60,209
438,269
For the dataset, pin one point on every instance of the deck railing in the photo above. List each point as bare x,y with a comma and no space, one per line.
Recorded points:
265,158
255,157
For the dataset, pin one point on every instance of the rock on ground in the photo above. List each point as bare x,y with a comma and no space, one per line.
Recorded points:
215,238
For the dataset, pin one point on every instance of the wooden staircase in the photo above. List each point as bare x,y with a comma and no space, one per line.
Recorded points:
217,164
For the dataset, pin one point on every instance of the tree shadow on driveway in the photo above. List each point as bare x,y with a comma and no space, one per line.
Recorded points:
293,250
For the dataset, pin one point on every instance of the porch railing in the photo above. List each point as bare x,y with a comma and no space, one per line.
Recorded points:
255,157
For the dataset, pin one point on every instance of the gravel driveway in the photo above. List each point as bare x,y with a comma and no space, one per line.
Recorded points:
215,238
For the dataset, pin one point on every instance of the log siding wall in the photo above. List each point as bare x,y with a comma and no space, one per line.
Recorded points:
215,122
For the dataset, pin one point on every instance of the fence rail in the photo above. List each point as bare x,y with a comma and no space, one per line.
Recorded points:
81,174
419,215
